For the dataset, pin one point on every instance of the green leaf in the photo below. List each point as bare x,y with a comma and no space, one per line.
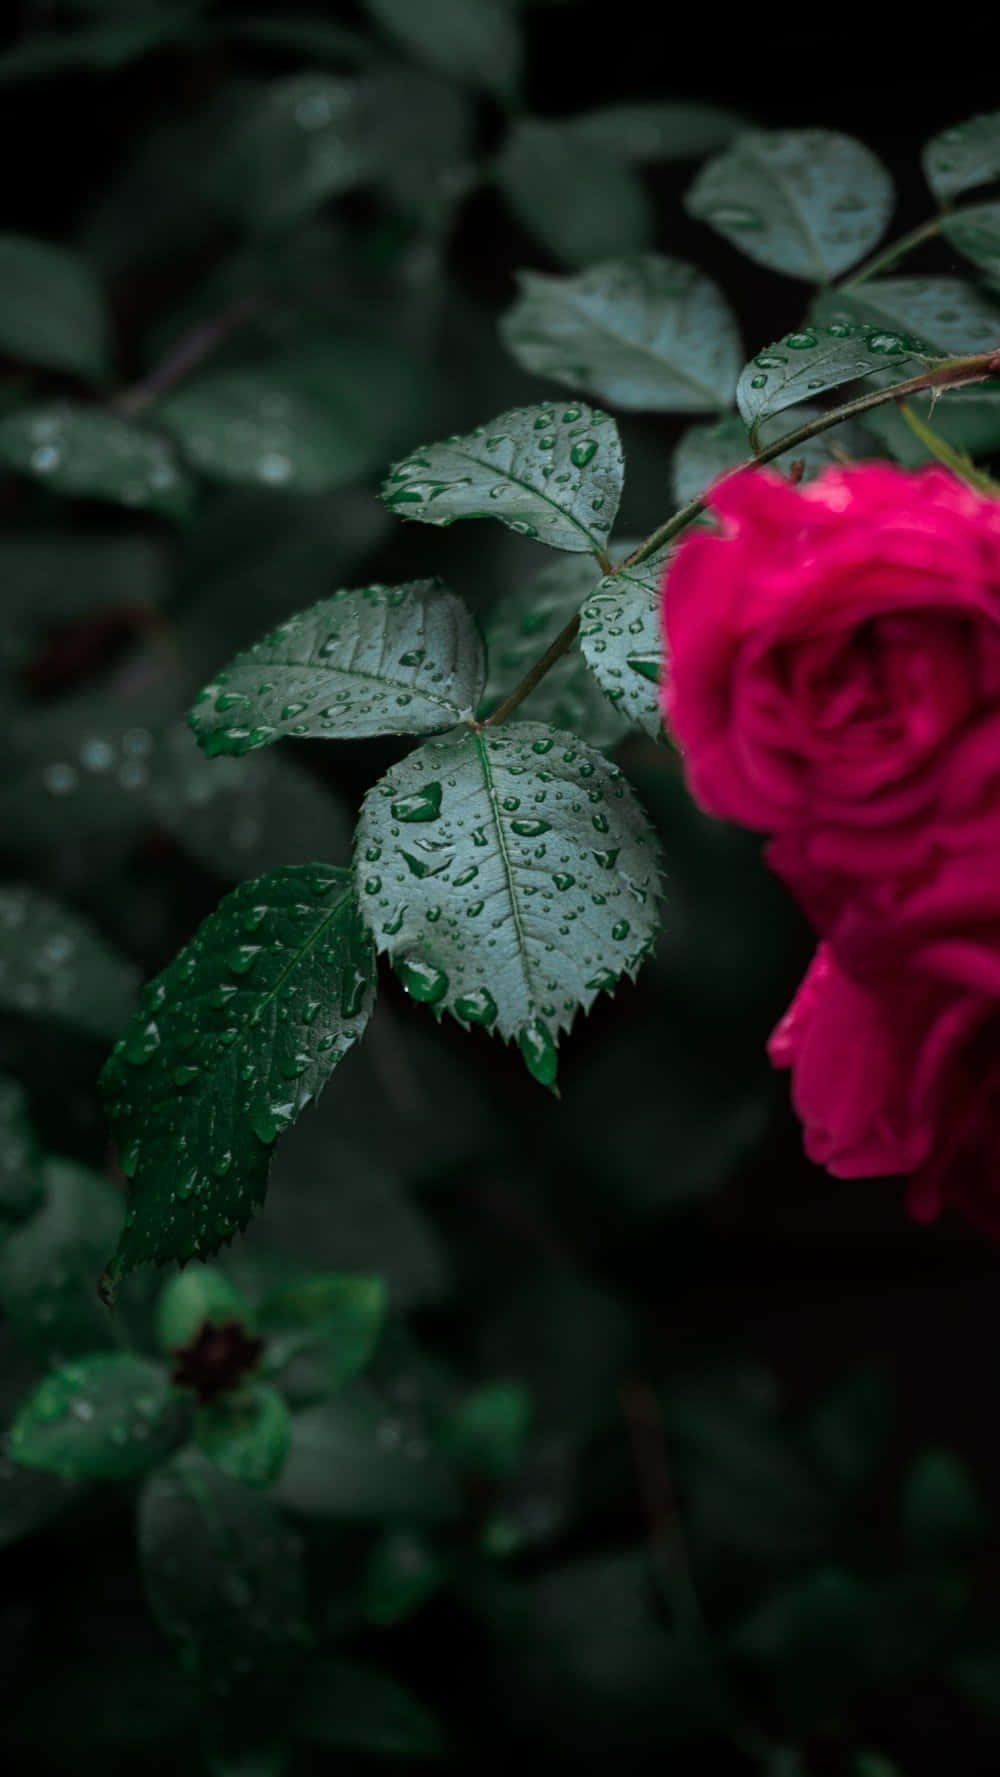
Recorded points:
49,576
806,202
975,231
554,473
21,1186
401,1573
231,1041
942,1510
303,140
520,628
648,332
197,1295
222,1575
371,660
103,47
948,315
50,1264
964,156
511,877
424,135
850,1428
338,1317
312,37
91,453
706,451
816,359
51,308
247,1435
28,1499
107,1417
966,419
579,202
621,641
488,1431
357,1459
671,130
351,1706
54,965
476,41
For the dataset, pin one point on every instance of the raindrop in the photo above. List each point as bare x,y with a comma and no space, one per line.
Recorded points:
422,805
477,1007
538,1052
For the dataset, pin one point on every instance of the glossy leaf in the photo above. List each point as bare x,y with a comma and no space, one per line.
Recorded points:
580,202
235,1037
477,41
106,1417
247,1435
554,472
621,642
372,660
222,1575
963,157
648,332
806,202
673,129
518,631
815,359
91,453
357,1708
53,964
975,231
51,309
511,877
197,1294
49,1266
21,1187
948,315
359,1459
337,1318
706,451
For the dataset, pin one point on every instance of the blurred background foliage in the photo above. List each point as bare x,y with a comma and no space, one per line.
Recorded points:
660,1446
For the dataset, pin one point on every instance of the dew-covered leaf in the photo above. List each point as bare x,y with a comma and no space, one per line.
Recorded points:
49,1265
51,308
708,450
806,202
302,140
949,316
21,1186
92,453
370,660
337,1318
621,642
975,231
53,964
511,876
673,129
518,631
360,1458
815,359
550,472
962,157
580,202
247,1434
359,1709
474,41
108,1416
648,332
230,1042
222,1575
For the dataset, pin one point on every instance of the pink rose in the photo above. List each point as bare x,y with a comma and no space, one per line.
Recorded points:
831,646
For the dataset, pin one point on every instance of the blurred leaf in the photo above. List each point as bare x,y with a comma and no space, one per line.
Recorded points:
53,964
373,660
111,1416
546,470
222,1576
966,419
976,1676
88,452
247,1434
850,1427
621,641
872,1764
401,1573
821,358
948,315
962,157
647,332
52,575
975,231
22,1189
704,452
49,1265
28,1499
422,133
51,309
313,37
493,813
363,1459
518,631
354,1707
806,202
197,1294
230,1043
104,47
673,129
476,41
580,202
942,1509
815,1635
300,141
338,1317
488,1431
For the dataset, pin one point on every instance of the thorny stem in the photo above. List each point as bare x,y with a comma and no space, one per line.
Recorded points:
951,373
193,349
